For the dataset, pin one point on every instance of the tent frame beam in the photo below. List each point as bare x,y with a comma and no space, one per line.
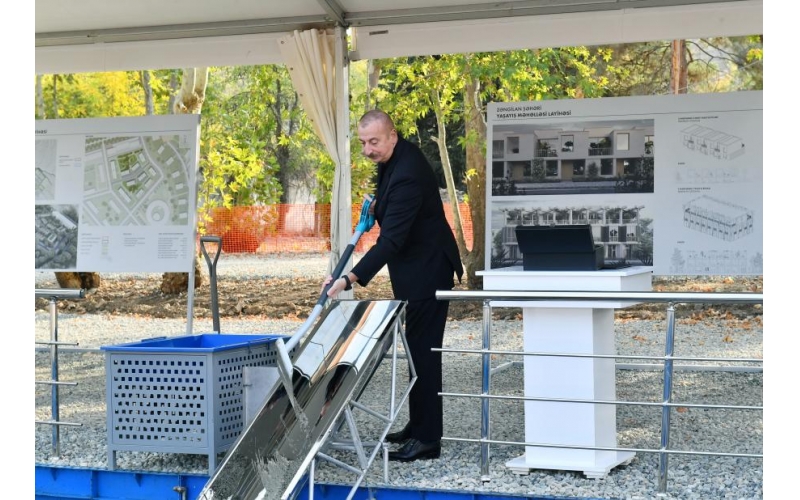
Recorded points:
519,8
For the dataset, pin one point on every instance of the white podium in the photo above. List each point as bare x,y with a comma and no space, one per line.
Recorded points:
574,327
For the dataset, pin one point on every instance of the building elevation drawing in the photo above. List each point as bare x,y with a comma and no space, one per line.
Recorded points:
624,234
699,262
136,181
712,142
588,158
705,175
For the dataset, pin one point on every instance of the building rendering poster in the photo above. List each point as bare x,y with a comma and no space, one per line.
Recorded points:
674,182
116,194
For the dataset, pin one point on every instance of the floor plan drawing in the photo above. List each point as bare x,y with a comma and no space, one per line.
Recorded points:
117,194
136,181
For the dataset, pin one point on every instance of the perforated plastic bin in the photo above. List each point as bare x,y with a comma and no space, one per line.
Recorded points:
180,394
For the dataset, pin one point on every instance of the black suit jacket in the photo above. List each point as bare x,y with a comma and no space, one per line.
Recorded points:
415,240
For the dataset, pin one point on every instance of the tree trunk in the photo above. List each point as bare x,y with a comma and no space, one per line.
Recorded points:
374,75
193,91
282,152
88,281
475,131
441,142
173,89
189,100
679,76
148,92
55,96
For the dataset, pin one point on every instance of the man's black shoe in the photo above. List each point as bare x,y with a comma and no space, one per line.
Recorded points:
400,436
414,449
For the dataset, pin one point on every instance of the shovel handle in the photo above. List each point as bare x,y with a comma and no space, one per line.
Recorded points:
212,275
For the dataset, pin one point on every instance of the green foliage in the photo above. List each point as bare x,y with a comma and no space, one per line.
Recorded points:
638,177
720,64
644,250
414,88
235,174
593,171
96,95
538,172
504,187
499,256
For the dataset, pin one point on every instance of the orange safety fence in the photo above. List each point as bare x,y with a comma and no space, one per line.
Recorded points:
295,228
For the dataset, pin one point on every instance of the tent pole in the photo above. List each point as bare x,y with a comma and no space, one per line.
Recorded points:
342,182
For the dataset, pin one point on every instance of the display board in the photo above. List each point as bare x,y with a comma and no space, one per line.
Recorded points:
674,182
116,194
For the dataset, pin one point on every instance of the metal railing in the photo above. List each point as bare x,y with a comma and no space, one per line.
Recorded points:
667,361
53,295
599,151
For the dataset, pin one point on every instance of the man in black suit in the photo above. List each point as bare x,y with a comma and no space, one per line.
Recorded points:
417,244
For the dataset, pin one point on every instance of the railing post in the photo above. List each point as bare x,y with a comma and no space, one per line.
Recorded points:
52,296
486,365
669,348
54,374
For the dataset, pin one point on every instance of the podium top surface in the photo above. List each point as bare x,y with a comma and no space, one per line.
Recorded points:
600,273
628,279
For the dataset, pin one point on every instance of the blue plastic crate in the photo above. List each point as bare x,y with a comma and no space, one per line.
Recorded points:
180,394
206,342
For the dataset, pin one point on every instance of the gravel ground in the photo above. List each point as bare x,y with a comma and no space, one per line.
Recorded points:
698,429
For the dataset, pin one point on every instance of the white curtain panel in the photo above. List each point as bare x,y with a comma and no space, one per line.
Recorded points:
309,56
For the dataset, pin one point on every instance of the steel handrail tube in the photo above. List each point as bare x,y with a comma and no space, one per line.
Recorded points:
609,448
580,355
674,297
61,293
600,401
54,382
58,423
56,343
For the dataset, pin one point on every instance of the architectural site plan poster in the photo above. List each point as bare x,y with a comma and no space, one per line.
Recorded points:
674,182
116,194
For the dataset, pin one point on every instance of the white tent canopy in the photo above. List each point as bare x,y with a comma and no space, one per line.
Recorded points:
76,36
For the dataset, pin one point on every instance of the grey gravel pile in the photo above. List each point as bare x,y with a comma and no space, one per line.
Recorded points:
698,429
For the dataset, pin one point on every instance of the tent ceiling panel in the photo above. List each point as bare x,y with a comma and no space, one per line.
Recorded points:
241,50
106,35
54,16
558,30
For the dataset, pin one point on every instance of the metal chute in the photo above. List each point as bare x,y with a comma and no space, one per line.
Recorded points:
332,367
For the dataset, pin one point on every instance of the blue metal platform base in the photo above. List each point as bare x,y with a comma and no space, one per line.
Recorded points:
68,483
